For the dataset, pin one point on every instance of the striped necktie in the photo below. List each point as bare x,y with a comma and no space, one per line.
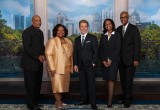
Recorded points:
82,42
123,31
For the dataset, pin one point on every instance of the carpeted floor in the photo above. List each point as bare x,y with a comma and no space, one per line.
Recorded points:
86,107
19,104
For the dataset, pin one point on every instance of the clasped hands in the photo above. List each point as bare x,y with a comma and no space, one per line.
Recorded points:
107,63
76,67
52,73
41,58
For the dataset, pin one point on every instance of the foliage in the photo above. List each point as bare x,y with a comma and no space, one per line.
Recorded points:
150,42
10,40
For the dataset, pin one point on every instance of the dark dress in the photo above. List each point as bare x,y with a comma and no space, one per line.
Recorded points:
110,49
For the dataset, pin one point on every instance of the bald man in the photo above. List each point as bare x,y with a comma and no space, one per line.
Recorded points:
130,56
32,62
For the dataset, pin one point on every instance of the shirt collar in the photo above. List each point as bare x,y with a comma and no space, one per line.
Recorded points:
113,32
126,26
84,35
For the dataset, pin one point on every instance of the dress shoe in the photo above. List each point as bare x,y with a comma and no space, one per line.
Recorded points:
127,105
121,102
109,106
82,103
60,108
64,104
40,106
94,106
37,108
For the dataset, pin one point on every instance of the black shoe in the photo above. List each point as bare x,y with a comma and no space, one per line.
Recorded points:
127,105
37,108
82,103
109,106
121,102
94,106
40,106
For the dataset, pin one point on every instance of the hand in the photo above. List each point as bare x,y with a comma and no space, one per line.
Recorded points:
109,62
41,58
136,63
104,63
76,68
93,65
52,73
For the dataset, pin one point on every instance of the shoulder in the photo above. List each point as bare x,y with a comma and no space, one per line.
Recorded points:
102,36
27,29
27,32
51,40
119,27
68,40
133,26
117,33
78,37
91,36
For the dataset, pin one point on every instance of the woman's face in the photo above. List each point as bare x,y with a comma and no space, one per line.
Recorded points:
60,32
108,25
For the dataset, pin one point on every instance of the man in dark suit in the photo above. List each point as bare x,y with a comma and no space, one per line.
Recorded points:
130,56
32,62
85,58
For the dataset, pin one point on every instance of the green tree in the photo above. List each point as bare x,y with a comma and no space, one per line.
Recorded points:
150,41
10,40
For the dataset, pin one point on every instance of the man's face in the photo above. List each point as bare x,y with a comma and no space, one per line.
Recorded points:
83,28
36,22
124,18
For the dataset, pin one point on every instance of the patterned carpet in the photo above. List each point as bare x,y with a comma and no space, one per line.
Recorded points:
87,107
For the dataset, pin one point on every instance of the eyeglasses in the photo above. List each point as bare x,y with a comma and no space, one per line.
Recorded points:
124,17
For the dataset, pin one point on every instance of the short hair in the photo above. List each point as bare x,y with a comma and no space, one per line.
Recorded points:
124,12
55,29
35,16
83,21
104,28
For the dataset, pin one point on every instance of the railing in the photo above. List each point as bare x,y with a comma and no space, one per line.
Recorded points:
149,67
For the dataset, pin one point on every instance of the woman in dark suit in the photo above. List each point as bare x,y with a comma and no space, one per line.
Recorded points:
110,45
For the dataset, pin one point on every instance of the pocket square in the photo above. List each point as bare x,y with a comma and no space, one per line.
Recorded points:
87,41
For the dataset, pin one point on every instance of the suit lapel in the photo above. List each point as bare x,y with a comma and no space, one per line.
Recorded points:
106,38
79,41
86,39
110,39
127,31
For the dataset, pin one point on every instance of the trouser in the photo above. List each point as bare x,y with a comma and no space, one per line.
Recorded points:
32,80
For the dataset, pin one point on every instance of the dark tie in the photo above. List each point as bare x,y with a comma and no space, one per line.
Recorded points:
82,42
123,31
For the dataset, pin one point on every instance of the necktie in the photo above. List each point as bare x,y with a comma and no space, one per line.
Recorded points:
123,31
82,42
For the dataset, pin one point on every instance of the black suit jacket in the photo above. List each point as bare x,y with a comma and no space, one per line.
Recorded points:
33,47
131,44
110,48
87,54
